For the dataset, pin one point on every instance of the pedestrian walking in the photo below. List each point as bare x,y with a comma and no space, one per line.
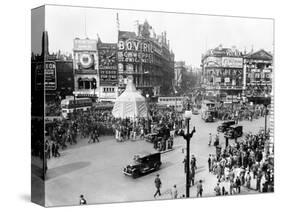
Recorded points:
158,184
210,139
248,180
238,185
174,192
210,163
82,200
199,189
217,189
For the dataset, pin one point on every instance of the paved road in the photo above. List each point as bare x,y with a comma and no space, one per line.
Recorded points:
95,170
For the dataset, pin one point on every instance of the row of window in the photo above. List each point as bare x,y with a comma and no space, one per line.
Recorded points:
109,90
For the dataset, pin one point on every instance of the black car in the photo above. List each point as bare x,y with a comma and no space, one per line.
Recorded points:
143,164
234,131
225,125
151,137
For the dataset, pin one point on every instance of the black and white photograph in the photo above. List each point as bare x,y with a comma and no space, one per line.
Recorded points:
136,105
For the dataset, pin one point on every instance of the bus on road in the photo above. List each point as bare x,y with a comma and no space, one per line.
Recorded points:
208,111
177,102
79,104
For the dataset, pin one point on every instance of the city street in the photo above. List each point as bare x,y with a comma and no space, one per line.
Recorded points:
95,170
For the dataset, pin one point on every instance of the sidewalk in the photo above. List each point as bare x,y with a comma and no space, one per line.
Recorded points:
209,182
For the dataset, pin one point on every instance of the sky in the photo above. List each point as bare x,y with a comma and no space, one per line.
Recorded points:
190,35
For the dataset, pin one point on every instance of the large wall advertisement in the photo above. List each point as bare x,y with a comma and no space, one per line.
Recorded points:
50,75
108,64
45,71
232,62
225,62
135,51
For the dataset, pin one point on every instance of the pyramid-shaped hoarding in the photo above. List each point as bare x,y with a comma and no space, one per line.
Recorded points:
130,104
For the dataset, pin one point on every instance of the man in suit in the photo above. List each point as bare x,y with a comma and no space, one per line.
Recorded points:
157,183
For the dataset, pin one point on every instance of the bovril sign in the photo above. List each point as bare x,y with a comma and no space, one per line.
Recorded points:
135,45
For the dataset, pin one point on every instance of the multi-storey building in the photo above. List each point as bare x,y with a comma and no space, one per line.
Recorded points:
85,65
258,72
148,59
222,70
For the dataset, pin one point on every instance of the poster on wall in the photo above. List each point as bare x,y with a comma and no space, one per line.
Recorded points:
108,70
50,75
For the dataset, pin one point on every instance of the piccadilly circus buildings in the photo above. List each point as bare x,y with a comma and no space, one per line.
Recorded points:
101,70
228,75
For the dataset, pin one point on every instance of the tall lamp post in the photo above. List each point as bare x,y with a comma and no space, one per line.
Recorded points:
266,103
75,96
147,113
187,137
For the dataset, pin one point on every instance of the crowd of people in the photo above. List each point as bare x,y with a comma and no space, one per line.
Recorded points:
240,112
92,123
241,163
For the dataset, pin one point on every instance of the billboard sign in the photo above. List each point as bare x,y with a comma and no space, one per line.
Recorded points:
213,62
108,69
84,45
50,75
135,51
232,62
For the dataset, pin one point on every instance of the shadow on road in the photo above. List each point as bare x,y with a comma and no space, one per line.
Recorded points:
65,169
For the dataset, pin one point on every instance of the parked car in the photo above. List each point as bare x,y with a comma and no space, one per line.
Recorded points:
225,125
234,131
143,164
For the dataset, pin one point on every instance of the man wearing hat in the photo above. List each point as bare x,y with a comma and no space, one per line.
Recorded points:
158,183
82,200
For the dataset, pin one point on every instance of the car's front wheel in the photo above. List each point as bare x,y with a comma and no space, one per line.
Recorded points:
135,175
157,166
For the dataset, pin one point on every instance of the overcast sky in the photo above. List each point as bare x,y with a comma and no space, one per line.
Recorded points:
190,35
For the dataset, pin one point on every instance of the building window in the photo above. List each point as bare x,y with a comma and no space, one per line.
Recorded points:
87,85
80,84
108,90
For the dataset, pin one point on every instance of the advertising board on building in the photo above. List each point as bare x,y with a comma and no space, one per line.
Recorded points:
135,51
46,71
50,75
108,69
84,45
232,62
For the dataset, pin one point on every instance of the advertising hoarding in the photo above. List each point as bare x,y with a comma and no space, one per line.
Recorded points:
135,51
108,69
84,45
232,62
50,75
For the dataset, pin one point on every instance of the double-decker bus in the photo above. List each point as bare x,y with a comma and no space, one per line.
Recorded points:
208,111
177,102
69,105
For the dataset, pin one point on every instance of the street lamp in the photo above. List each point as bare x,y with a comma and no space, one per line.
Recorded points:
147,112
266,103
75,96
187,137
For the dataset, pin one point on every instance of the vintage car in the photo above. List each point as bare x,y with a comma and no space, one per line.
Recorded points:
151,137
225,125
234,131
195,111
143,163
